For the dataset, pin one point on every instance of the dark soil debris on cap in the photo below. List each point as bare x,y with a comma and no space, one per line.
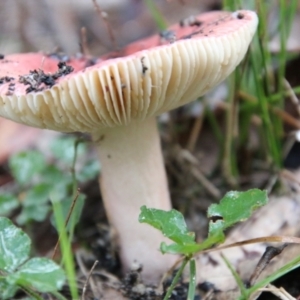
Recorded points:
11,86
240,15
144,68
38,80
61,56
91,62
190,21
1,56
6,79
168,35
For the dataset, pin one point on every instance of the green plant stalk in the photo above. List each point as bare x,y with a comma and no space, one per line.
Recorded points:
278,126
156,15
211,117
176,278
232,4
192,283
272,126
277,96
283,40
65,245
73,168
263,40
74,184
245,118
236,277
286,17
229,163
263,104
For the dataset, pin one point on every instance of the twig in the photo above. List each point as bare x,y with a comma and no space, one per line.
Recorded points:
66,222
83,42
195,170
290,176
103,15
281,293
264,261
196,130
97,288
292,95
286,117
87,279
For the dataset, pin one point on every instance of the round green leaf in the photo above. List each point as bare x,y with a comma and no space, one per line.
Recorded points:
88,171
170,223
8,202
234,207
64,149
41,273
25,165
37,195
36,212
14,245
7,290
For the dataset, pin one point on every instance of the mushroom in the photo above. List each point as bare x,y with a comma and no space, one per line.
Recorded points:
117,100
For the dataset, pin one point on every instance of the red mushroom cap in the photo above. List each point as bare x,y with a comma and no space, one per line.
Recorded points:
177,66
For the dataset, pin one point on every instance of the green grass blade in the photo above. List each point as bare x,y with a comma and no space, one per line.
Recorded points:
156,15
65,246
176,279
192,283
237,278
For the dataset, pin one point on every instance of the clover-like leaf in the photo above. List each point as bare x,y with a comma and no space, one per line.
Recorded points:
234,207
8,202
14,245
41,273
170,223
64,149
25,165
6,289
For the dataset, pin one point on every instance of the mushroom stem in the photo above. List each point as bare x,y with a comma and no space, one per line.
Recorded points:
132,175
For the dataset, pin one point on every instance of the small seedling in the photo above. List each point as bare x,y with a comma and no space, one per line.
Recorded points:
234,207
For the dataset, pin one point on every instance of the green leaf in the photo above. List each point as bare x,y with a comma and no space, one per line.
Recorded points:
7,291
64,149
52,175
14,245
234,207
36,212
25,165
89,171
156,15
35,204
170,223
37,195
41,273
60,182
8,202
